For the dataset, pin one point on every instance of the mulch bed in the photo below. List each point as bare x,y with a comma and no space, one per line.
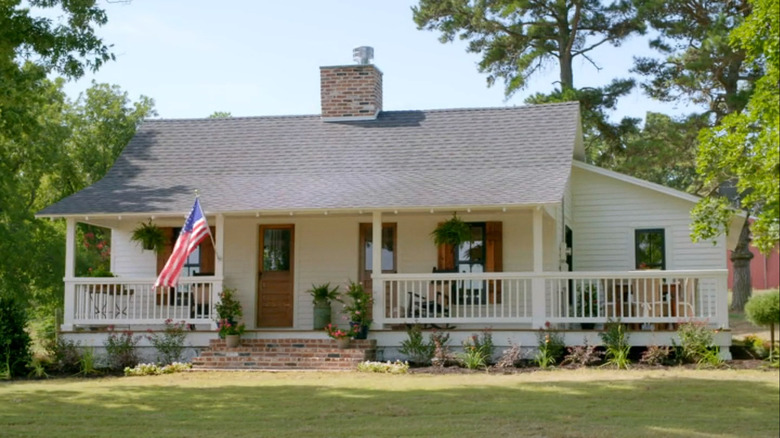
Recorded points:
742,364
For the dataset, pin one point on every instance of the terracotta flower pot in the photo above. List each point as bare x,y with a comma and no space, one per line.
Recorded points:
343,343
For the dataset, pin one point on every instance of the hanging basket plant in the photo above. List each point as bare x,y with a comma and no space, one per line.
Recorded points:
150,236
452,232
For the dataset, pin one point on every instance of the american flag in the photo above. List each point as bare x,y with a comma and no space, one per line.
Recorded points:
195,230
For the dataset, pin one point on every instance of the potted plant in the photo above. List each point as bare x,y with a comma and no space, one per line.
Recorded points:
358,309
448,236
150,236
229,311
452,232
342,337
586,304
231,333
322,296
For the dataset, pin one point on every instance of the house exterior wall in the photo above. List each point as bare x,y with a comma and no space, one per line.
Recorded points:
606,211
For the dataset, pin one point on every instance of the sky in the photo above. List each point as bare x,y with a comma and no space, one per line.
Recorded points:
256,58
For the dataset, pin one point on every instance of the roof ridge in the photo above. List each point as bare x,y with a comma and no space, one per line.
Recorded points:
430,110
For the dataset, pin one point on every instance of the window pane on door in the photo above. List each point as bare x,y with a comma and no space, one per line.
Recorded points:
276,249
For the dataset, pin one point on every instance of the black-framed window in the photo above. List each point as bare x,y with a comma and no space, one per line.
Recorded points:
650,248
192,264
471,259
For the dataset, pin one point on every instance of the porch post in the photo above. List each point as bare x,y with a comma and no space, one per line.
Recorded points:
722,300
376,269
538,304
70,274
219,267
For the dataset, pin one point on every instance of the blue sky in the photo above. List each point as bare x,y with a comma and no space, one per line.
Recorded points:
255,58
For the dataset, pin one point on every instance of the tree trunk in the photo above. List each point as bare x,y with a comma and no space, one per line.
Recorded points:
740,260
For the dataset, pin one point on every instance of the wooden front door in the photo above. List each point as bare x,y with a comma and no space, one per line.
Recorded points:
275,276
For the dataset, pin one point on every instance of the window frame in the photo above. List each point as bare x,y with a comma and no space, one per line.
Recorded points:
640,231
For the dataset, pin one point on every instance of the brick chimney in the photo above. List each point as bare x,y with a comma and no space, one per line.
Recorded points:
351,92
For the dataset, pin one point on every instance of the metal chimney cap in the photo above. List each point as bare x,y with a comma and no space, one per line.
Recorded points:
363,54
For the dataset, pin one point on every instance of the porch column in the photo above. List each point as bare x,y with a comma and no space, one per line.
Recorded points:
219,260
376,269
537,284
722,301
70,274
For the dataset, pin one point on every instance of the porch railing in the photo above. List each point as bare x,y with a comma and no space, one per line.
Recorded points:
660,298
117,300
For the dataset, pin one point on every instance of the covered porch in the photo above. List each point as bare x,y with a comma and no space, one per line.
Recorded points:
649,300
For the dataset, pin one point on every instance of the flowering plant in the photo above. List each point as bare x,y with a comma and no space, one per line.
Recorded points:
230,328
229,307
336,333
359,307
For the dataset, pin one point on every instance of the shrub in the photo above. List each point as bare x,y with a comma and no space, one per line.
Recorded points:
66,357
120,349
764,310
655,355
169,343
511,356
415,348
150,369
615,340
550,347
396,367
697,344
14,340
87,362
757,347
473,358
582,355
442,355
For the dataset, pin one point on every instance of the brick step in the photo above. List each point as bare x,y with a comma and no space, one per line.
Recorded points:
281,354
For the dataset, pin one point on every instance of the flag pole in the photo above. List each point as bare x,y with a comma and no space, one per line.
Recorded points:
213,242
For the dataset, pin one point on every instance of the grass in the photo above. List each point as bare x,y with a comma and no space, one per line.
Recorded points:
580,403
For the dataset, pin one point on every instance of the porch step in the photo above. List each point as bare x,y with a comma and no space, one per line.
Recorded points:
284,354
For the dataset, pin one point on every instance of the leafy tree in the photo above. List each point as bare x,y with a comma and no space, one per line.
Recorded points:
30,128
516,40
701,66
220,115
745,144
74,145
663,151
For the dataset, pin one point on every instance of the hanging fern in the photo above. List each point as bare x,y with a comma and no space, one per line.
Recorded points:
452,232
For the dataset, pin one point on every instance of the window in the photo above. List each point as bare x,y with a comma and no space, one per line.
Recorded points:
471,259
650,249
388,247
192,264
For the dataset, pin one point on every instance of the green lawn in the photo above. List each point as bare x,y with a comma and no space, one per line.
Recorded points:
717,403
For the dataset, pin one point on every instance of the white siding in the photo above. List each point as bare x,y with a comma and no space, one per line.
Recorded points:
607,211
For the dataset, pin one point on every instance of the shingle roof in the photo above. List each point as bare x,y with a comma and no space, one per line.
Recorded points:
403,159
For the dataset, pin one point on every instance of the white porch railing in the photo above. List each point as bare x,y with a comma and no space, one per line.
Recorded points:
117,300
659,298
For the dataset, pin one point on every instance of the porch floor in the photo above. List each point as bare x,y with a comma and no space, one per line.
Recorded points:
284,354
